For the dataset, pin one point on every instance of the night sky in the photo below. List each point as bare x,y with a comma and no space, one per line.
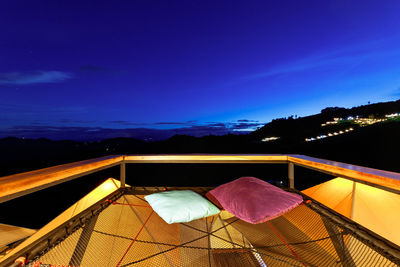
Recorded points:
208,65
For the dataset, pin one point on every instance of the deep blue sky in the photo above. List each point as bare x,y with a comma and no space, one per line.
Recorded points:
171,64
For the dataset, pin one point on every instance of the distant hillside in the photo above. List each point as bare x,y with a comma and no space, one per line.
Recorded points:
292,131
373,141
376,146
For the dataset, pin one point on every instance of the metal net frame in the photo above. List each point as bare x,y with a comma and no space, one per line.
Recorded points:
129,233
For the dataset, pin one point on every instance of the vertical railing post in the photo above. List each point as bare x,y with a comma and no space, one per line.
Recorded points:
353,196
122,174
291,175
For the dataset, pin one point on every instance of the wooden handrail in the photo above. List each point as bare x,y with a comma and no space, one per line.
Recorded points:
384,179
207,158
17,185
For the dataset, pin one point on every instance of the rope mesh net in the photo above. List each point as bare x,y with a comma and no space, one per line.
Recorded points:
129,233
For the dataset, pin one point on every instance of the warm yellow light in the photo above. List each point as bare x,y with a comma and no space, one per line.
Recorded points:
108,185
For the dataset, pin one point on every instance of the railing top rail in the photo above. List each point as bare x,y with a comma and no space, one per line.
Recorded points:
16,185
385,179
207,158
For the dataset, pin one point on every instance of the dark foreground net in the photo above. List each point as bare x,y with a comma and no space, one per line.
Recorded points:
129,233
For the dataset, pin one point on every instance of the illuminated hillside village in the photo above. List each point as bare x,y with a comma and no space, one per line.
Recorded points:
349,124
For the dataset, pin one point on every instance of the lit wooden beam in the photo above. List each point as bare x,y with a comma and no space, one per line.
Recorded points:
62,222
378,178
291,175
17,185
204,158
122,173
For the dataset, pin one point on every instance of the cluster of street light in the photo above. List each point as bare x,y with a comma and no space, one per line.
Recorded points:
322,136
361,121
335,121
272,138
367,121
393,115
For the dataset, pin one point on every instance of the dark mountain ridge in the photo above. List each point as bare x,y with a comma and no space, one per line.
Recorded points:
374,145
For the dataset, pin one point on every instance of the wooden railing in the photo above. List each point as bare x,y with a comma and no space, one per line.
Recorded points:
17,185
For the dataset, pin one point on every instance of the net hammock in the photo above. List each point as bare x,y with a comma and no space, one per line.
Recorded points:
129,233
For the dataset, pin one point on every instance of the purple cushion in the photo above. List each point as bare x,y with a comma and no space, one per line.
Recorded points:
253,200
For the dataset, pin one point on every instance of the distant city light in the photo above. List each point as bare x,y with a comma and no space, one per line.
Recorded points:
272,138
361,121
322,136
393,115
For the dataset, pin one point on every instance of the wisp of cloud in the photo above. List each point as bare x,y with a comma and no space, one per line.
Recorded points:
34,77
